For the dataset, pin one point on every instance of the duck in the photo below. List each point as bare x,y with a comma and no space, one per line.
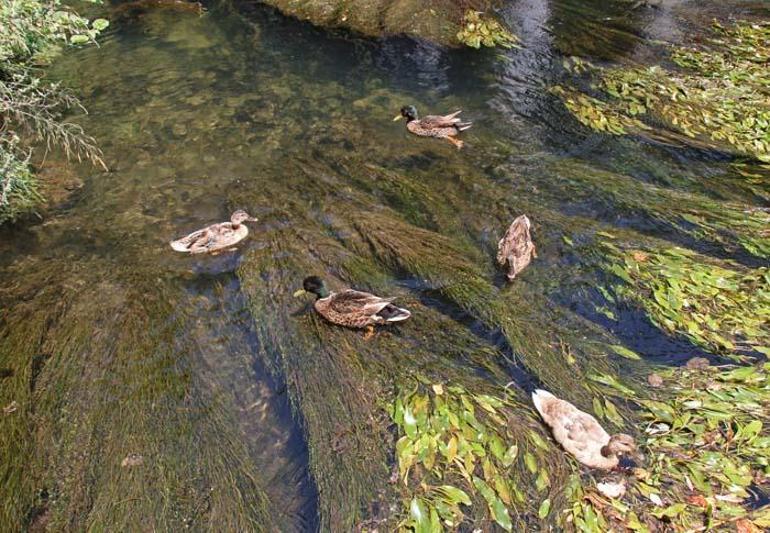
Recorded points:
580,434
439,126
516,249
352,308
217,237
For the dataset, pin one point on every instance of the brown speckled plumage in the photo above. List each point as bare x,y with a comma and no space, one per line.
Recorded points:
216,237
351,308
516,249
438,126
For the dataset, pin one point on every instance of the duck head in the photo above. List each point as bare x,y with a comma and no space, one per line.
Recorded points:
620,444
314,285
240,217
409,112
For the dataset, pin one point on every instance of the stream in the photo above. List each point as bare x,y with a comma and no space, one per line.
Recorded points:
247,410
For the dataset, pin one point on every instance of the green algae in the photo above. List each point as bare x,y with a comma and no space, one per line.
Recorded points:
717,99
440,21
729,225
97,384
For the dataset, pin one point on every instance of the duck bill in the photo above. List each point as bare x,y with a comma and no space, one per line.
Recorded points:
299,293
397,118
253,219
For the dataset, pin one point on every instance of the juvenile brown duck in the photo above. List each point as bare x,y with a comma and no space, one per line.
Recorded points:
217,237
351,308
580,434
516,249
441,127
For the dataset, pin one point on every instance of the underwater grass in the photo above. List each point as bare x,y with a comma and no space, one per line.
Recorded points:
446,268
105,410
728,225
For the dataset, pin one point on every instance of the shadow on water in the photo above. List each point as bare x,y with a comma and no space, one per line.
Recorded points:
252,413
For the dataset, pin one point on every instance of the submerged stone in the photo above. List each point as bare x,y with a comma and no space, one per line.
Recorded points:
439,21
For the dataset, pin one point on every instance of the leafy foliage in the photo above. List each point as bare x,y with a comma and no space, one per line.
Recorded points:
457,447
720,307
719,98
30,108
477,31
596,114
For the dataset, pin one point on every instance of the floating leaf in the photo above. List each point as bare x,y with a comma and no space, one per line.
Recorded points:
545,508
625,352
79,39
100,24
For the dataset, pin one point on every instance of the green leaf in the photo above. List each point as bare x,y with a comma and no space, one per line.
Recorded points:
455,495
496,506
538,440
625,352
410,423
545,508
100,24
79,39
671,511
510,455
420,517
611,382
531,462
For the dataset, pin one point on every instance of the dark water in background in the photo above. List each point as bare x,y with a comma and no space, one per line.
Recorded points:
196,114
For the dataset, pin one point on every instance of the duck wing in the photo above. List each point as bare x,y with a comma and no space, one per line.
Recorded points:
357,302
579,433
441,121
209,239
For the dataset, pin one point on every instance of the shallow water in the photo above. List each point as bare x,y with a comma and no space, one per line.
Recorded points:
243,108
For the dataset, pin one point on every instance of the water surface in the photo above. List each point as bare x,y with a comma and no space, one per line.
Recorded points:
238,399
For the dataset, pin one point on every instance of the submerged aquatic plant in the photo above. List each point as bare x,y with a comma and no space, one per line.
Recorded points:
719,98
459,453
477,31
721,307
597,115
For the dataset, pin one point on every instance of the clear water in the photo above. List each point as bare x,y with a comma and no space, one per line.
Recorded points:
243,108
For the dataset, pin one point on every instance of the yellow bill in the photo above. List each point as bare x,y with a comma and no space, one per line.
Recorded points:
299,293
397,117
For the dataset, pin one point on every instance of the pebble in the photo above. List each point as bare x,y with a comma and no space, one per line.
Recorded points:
654,380
132,459
697,363
179,129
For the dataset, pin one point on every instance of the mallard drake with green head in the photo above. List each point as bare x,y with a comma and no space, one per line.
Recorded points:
439,126
516,249
217,237
580,434
351,308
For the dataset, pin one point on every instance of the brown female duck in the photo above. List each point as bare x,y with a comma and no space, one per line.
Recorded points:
217,237
516,249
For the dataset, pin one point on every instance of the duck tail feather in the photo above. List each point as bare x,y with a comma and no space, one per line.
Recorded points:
391,313
179,245
539,396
